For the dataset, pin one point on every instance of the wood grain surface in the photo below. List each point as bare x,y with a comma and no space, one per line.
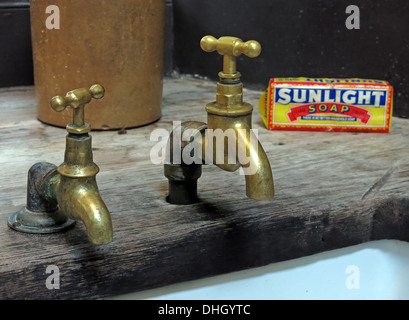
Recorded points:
332,190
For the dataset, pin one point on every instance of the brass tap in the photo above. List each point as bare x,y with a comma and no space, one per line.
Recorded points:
228,112
59,196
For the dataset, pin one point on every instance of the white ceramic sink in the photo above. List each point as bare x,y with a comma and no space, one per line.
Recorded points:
373,270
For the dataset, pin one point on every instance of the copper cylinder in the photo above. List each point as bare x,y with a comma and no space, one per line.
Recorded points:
118,44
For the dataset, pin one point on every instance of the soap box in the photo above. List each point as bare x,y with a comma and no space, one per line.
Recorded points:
360,105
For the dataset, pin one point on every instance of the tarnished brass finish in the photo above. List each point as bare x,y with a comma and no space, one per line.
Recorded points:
77,99
59,196
79,199
229,111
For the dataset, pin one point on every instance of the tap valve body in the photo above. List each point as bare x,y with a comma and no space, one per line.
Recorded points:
59,196
229,113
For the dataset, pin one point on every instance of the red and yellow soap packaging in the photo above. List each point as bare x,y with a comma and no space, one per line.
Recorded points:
354,105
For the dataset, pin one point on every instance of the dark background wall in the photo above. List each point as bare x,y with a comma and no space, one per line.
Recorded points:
298,37
16,65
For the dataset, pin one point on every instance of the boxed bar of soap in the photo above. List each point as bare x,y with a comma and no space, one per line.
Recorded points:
311,104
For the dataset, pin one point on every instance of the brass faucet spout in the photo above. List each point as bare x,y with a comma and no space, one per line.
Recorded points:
80,199
77,192
258,174
250,156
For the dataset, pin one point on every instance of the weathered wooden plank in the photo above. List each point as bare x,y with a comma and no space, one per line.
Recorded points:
332,190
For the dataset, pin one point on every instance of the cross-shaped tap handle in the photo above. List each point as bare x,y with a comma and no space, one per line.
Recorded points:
77,99
230,48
